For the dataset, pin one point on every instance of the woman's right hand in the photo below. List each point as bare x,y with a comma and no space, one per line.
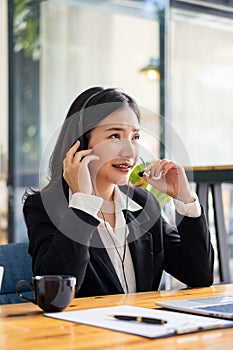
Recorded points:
76,171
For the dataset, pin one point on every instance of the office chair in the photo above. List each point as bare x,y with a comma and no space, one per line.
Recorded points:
17,266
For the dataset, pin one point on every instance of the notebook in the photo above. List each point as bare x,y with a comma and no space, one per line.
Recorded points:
221,306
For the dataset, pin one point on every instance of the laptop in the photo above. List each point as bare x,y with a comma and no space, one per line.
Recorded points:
221,306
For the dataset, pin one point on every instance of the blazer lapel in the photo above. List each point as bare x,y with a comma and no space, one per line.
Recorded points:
100,255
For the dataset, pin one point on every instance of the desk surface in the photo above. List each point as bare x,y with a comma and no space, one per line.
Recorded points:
23,326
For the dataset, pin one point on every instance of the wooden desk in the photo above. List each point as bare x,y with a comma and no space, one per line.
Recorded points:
209,180
23,326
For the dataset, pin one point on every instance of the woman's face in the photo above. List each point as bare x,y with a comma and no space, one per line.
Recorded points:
116,141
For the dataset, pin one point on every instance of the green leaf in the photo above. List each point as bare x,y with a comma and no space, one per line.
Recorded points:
162,198
136,180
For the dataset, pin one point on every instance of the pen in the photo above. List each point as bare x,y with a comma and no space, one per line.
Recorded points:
150,320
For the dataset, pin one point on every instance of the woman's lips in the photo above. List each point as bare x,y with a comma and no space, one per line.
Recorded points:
122,167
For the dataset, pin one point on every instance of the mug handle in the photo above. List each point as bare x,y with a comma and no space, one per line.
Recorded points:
18,287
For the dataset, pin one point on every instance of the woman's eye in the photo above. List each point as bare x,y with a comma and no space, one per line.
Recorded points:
136,137
115,136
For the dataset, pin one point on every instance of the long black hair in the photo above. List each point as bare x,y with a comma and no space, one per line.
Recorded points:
86,111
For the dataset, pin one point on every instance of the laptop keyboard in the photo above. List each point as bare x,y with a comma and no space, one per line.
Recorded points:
228,308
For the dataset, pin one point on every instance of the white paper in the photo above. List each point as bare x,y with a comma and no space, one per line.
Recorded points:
177,323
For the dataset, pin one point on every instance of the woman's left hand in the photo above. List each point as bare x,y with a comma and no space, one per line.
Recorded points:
170,178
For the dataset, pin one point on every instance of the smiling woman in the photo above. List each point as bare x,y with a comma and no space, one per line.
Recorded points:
91,223
116,142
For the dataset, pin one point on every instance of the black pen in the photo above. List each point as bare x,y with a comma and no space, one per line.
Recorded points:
150,320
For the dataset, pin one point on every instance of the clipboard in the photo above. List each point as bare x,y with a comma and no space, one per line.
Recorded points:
177,323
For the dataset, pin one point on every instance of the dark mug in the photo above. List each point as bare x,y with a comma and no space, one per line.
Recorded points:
52,292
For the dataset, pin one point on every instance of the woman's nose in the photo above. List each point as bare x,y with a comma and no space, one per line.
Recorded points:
128,149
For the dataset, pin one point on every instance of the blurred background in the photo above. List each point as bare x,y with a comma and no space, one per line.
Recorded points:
174,57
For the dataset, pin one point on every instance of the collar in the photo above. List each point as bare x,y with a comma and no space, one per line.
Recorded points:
122,201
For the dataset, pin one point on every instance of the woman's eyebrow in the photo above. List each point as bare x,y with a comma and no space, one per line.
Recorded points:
120,129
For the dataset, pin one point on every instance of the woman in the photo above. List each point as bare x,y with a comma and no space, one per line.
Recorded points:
88,222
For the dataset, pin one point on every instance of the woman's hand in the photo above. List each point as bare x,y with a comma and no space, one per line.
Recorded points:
170,178
76,171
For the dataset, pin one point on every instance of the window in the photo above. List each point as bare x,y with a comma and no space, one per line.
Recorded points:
57,50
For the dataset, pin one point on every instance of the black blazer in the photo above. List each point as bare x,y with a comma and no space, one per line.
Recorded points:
66,241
